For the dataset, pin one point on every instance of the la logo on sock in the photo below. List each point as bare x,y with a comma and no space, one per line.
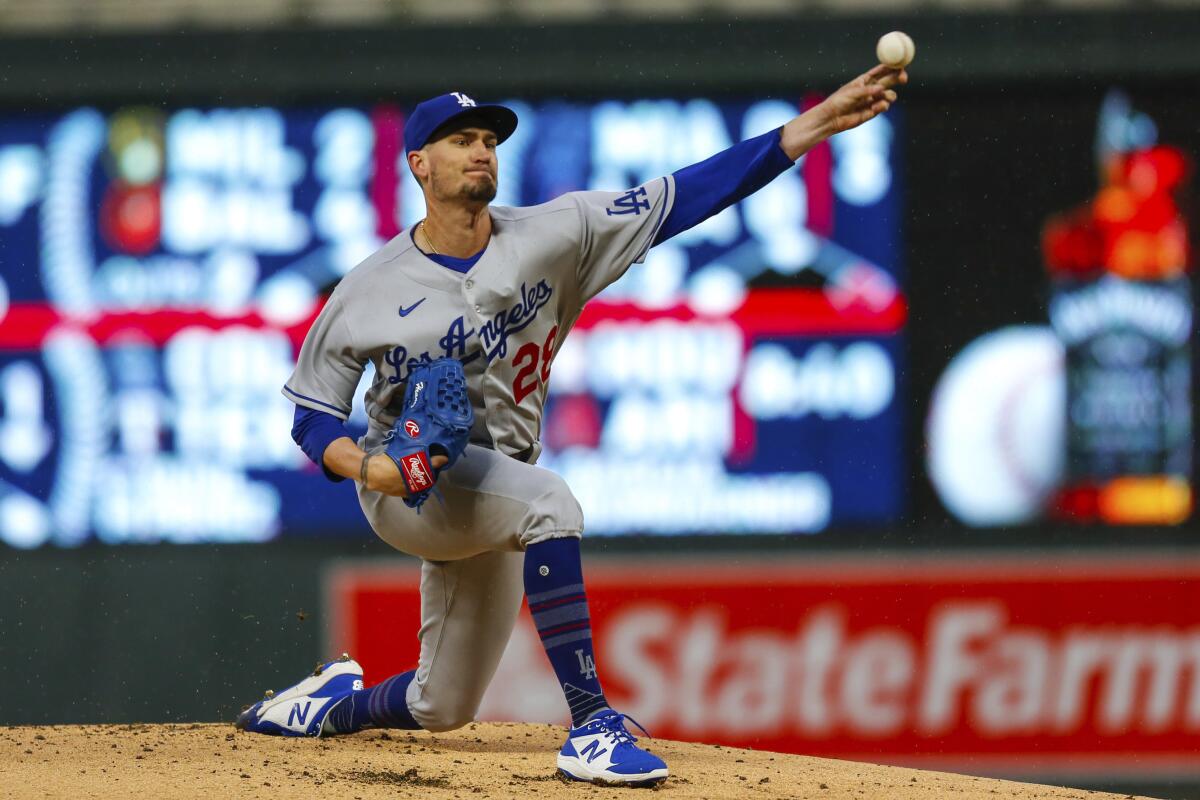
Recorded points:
587,666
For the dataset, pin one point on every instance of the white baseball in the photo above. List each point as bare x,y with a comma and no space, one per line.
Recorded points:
895,49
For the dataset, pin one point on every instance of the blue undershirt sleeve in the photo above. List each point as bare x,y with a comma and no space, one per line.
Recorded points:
708,187
314,431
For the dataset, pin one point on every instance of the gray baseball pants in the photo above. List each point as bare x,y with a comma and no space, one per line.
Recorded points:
472,550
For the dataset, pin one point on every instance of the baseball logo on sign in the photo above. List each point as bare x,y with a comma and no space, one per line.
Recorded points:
412,428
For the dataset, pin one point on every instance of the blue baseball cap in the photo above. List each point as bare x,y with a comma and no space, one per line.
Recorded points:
432,114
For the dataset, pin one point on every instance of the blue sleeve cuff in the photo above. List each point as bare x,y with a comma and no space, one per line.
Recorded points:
314,431
712,185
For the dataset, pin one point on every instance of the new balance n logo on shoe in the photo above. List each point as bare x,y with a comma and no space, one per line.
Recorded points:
593,751
298,715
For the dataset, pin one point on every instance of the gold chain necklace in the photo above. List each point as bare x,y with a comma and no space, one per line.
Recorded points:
428,241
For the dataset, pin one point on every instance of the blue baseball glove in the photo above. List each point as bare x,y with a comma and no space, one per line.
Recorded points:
436,421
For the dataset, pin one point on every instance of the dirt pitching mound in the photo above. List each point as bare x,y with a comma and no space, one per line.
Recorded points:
483,760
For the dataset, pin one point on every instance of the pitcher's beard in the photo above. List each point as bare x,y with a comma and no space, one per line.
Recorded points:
484,192
474,191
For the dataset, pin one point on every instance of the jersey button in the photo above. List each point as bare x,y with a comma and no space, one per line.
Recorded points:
478,309
470,284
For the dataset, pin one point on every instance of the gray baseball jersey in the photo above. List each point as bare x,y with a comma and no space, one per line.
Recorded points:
503,319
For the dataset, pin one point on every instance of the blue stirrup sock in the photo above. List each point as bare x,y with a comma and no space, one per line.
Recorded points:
382,706
558,604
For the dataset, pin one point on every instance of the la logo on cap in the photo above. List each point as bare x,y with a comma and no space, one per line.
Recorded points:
463,100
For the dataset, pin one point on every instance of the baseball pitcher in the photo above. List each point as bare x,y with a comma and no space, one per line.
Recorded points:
461,316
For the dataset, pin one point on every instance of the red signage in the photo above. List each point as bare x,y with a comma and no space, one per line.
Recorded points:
1050,664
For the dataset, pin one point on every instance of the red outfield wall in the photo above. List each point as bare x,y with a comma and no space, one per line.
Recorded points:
1034,665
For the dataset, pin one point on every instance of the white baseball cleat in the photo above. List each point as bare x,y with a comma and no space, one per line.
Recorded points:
302,709
602,751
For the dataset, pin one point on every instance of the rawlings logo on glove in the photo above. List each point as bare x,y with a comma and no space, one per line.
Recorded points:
437,421
416,472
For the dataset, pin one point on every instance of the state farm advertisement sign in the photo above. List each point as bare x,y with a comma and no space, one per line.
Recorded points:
1049,664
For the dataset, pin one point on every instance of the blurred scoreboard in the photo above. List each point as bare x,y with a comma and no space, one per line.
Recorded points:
159,270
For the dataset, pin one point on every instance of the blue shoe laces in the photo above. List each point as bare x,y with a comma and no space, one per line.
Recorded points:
612,726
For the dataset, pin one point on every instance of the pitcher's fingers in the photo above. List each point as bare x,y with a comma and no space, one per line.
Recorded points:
878,72
887,77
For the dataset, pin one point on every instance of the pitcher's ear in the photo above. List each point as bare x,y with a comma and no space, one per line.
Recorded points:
418,164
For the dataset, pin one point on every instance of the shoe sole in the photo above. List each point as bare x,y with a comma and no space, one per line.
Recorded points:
577,771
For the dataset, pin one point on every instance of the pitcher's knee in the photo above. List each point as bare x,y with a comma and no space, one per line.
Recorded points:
441,717
553,512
